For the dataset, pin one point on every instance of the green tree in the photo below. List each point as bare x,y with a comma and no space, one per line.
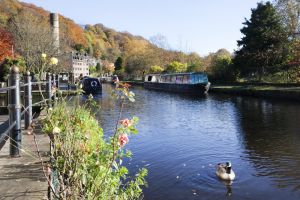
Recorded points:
221,68
156,69
176,66
92,69
7,63
262,48
98,67
119,63
80,48
195,63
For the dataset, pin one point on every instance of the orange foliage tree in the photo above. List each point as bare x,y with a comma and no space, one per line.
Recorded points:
5,44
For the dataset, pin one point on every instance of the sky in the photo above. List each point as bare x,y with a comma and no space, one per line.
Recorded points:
201,26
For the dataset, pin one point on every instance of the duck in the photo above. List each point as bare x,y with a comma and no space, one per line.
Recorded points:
225,172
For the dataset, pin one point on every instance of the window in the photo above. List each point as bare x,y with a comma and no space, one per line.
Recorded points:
193,79
168,79
186,79
173,79
179,79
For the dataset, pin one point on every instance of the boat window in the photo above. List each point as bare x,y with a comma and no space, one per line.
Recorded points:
168,79
158,79
186,79
201,78
179,79
192,78
173,79
149,78
196,78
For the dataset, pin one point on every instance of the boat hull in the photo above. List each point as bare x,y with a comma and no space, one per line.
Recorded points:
91,86
194,89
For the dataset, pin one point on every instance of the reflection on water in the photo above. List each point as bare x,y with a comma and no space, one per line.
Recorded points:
272,140
181,139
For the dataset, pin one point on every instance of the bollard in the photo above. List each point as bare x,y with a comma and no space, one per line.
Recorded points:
28,100
14,108
48,89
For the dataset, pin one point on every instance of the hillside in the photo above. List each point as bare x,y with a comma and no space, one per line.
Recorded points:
137,53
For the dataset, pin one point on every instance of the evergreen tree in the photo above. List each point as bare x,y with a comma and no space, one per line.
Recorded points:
262,48
119,63
98,67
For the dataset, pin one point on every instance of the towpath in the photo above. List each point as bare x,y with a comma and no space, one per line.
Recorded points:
23,177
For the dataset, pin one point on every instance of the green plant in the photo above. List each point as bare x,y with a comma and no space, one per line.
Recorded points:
156,69
7,63
176,66
86,165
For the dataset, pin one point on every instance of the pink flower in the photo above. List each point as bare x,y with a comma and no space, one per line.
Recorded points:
126,122
123,139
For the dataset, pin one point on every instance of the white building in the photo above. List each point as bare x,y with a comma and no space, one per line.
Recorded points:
81,64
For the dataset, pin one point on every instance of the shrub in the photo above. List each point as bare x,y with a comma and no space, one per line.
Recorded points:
86,165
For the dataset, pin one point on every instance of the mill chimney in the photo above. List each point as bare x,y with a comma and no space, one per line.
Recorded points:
55,29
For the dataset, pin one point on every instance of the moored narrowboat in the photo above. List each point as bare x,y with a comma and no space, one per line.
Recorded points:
91,86
185,83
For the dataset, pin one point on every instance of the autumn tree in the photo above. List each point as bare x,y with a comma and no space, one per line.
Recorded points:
289,10
138,58
70,34
32,37
108,67
261,50
6,44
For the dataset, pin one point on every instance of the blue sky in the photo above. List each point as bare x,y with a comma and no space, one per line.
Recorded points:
189,25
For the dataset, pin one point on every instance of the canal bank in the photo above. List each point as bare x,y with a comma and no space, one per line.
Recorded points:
278,91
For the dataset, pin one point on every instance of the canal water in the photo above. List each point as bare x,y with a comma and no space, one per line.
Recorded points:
181,139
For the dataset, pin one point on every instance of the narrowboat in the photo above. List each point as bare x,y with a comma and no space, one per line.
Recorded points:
185,83
91,86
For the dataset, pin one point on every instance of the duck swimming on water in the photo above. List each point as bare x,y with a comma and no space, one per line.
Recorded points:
225,172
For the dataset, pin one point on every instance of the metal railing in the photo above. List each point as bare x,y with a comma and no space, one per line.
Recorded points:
13,132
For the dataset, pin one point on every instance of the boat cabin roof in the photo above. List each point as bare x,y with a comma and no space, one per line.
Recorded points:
176,74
